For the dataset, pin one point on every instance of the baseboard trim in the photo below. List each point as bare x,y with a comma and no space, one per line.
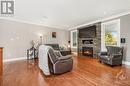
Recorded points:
15,59
126,62
23,58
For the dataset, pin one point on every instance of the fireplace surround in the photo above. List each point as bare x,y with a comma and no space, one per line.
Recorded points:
89,47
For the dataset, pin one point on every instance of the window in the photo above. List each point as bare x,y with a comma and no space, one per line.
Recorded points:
111,38
110,34
74,39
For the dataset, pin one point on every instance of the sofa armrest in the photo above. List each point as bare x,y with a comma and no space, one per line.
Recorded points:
58,53
65,57
63,66
65,52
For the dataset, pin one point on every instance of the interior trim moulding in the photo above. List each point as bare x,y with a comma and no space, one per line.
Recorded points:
28,22
15,59
24,58
102,19
98,20
126,62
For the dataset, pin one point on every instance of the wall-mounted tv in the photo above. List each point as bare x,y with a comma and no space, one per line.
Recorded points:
87,32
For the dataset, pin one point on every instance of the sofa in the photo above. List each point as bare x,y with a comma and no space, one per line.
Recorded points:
57,48
113,56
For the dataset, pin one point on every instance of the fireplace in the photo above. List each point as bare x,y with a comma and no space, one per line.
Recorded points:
87,51
89,40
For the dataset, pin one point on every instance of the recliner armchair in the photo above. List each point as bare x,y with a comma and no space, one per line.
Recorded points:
113,56
59,64
57,48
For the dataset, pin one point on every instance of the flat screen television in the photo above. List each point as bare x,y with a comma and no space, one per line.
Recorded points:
87,32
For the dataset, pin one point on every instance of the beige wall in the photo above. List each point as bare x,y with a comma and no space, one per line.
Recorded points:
125,33
15,37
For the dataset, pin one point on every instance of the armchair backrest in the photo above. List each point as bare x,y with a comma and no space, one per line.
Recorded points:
52,55
114,50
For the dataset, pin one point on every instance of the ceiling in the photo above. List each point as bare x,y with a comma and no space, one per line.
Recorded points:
65,14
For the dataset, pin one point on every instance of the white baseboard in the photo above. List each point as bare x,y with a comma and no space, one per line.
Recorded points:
23,58
15,59
126,62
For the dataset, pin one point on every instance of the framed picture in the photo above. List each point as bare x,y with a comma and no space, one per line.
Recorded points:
53,34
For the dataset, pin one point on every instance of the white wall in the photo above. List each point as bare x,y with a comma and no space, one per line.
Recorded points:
15,37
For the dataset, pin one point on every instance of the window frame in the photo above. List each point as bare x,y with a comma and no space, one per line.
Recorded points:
71,33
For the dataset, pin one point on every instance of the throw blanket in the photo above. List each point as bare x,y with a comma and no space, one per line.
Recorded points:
43,59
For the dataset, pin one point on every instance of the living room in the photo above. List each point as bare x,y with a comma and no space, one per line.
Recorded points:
65,42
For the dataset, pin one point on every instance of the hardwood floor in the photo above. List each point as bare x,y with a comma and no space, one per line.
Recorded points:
1,60
86,72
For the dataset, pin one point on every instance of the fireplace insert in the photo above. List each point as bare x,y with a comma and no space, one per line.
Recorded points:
87,51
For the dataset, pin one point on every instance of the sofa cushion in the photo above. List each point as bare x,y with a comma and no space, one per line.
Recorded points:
54,46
